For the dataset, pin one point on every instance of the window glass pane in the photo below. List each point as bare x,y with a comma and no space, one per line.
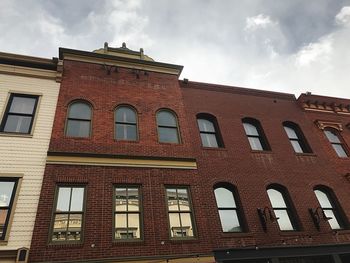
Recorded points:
290,132
224,198
168,135
187,229
120,221
172,200
16,123
133,199
134,225
120,199
6,189
229,221
166,118
78,128
3,217
60,227
255,143
205,125
77,199
332,222
63,199
74,227
323,199
332,136
296,146
276,198
209,140
126,132
22,105
339,150
174,221
250,129
80,110
284,221
125,114
183,199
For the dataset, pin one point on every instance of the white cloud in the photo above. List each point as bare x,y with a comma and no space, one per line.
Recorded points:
319,52
259,21
343,17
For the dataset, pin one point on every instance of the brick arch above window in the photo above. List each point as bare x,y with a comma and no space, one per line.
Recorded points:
82,99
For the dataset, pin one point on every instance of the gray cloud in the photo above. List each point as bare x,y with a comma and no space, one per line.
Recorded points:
289,46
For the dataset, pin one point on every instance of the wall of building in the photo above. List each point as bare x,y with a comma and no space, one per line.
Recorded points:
250,171
25,156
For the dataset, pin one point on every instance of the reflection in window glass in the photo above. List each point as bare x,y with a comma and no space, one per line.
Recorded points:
79,120
19,115
7,194
167,127
179,212
254,134
125,124
68,215
227,210
127,214
296,138
281,210
336,143
208,133
328,209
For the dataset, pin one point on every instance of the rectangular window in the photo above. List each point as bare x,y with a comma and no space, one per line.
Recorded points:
19,114
8,188
179,212
127,213
68,214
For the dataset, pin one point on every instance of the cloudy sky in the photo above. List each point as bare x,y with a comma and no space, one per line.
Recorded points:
289,46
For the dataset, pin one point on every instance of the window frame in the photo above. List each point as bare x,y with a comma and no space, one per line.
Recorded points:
303,144
218,137
261,134
7,112
191,212
341,142
75,119
140,213
136,124
337,210
290,209
169,127
238,208
83,212
12,205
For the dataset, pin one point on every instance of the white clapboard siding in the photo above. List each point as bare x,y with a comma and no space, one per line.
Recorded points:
26,156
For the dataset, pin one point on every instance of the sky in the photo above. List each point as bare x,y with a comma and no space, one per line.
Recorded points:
291,46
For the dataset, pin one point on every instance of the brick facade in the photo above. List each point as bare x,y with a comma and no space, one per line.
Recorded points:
249,171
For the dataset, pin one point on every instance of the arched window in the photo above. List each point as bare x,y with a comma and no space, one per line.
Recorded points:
296,137
282,209
167,127
255,134
230,216
209,131
335,139
79,119
125,124
329,207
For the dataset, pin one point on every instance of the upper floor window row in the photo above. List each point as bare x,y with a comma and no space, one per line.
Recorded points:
20,113
79,123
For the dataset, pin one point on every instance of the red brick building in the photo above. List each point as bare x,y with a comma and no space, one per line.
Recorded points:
143,167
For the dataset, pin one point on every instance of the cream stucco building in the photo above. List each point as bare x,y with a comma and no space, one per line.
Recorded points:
29,89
